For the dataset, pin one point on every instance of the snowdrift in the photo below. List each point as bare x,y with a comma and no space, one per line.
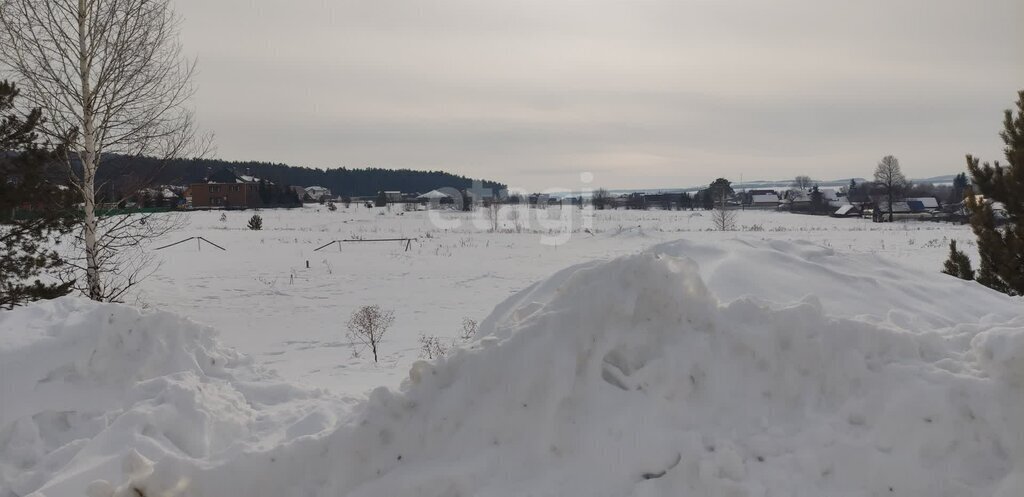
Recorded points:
82,385
688,369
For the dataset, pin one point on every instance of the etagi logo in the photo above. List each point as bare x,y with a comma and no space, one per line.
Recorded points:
517,210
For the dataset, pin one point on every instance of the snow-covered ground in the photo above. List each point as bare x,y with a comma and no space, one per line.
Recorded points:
262,299
646,355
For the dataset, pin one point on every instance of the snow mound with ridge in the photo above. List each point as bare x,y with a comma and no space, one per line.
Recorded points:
83,385
687,369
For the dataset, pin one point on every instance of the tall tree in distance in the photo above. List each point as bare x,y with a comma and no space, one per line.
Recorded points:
802,183
720,189
108,76
1001,250
960,186
600,199
685,201
889,178
25,240
817,200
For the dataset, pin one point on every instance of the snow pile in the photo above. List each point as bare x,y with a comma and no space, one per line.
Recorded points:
83,384
632,378
653,374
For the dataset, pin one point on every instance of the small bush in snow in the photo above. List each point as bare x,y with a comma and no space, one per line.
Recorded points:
331,207
255,222
431,347
368,325
469,327
223,218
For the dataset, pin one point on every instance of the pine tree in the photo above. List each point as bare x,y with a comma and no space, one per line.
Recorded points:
958,264
817,199
255,222
24,237
1001,249
685,201
960,185
719,188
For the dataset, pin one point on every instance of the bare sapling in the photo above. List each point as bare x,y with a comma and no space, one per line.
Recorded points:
368,325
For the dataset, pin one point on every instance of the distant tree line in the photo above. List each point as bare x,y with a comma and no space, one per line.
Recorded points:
341,181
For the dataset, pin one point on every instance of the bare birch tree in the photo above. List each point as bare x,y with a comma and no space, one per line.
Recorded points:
111,80
890,180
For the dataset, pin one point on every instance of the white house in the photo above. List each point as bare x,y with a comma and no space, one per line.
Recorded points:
433,195
318,193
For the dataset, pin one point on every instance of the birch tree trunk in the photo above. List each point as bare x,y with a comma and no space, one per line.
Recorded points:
89,159
110,79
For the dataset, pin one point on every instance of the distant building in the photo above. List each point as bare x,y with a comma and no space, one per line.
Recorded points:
920,204
435,197
225,189
161,196
666,201
764,200
897,208
318,193
847,210
300,192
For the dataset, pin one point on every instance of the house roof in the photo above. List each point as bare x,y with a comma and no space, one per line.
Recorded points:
433,194
228,176
768,198
897,207
844,210
927,202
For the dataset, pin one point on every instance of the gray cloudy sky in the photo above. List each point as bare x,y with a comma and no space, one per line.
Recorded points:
643,93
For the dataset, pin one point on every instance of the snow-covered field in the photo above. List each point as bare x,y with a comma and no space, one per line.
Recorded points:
264,301
796,356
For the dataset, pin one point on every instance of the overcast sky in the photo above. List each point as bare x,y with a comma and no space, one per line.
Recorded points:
656,93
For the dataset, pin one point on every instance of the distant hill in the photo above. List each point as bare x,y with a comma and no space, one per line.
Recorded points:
341,181
937,180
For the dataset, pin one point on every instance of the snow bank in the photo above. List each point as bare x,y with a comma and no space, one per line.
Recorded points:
84,384
632,378
688,369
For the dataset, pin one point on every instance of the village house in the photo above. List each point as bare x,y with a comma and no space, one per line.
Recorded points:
318,193
300,192
923,204
224,189
764,200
